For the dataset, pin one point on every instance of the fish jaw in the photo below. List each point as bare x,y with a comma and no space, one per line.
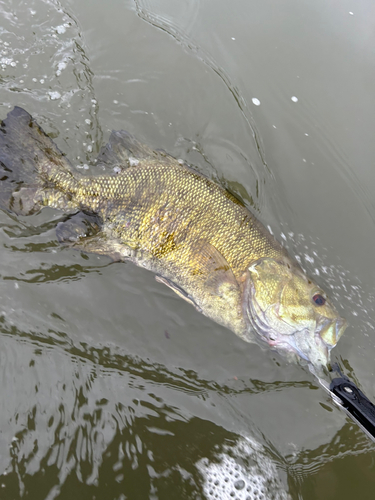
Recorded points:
331,332
312,345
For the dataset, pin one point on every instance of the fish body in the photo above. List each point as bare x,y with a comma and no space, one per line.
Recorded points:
193,234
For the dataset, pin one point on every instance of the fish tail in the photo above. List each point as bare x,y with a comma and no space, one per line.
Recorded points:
33,172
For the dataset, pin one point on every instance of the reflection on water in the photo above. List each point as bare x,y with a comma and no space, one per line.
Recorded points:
327,472
86,416
78,416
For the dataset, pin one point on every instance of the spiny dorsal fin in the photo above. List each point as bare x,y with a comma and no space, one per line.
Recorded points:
124,150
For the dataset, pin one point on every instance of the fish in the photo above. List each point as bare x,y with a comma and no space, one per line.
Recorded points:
163,215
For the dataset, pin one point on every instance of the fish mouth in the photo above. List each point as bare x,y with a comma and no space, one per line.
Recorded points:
313,346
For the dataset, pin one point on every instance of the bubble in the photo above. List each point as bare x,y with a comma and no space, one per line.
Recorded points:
256,101
133,162
294,98
54,95
61,65
242,472
308,258
239,485
7,61
60,29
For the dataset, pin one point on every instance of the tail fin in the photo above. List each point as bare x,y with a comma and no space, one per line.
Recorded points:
28,160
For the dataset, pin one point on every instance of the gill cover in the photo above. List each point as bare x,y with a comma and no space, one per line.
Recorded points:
289,311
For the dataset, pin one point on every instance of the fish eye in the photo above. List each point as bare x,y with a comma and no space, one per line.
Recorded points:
319,299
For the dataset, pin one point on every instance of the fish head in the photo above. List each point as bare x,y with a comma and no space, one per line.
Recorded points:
291,312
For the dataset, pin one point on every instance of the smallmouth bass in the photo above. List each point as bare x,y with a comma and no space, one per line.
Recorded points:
193,234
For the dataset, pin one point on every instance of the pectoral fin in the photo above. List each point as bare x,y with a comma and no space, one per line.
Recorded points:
212,267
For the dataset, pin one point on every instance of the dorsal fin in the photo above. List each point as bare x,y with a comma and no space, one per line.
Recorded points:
124,150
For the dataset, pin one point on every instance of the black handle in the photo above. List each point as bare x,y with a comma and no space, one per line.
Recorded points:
355,403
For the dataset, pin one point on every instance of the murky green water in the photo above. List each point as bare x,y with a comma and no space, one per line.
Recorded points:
112,387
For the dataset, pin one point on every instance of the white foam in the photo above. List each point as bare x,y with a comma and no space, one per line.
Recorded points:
133,162
60,29
53,95
242,472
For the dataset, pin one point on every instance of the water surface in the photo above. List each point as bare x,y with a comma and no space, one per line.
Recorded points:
114,388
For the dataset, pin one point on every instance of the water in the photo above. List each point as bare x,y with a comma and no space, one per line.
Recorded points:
112,387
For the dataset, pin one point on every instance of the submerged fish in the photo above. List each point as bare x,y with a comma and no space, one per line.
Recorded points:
162,215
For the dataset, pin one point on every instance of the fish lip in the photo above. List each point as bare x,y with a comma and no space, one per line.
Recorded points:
339,325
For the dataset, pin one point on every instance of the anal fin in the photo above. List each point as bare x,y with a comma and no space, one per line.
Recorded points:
76,228
84,233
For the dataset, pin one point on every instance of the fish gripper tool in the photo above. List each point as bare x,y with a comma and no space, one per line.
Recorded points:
355,403
350,398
